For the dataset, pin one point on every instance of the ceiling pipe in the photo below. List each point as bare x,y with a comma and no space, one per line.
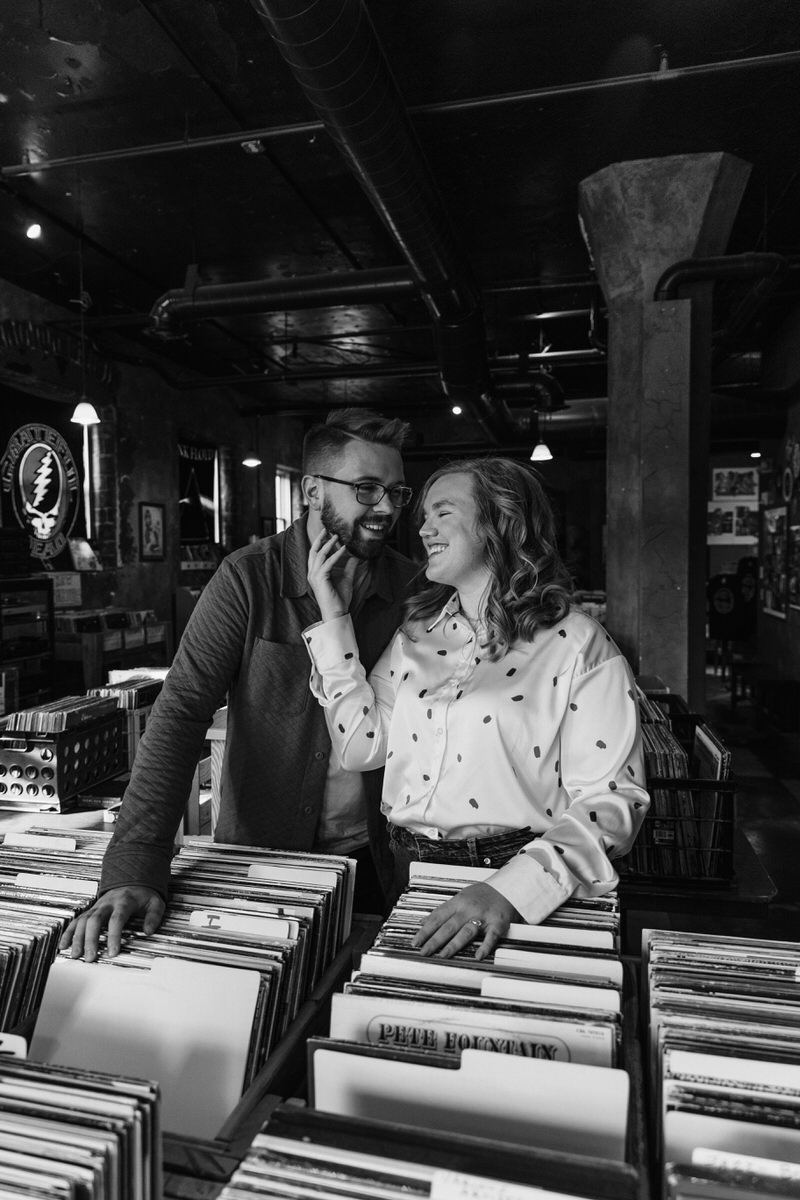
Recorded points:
196,301
766,268
474,103
335,56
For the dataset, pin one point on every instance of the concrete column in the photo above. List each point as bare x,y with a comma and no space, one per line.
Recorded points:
640,218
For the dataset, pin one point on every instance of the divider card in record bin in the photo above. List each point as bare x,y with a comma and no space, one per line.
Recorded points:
43,772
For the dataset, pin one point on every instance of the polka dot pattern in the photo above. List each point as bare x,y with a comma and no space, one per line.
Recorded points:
522,760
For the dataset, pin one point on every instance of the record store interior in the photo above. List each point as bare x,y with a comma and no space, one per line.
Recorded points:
556,235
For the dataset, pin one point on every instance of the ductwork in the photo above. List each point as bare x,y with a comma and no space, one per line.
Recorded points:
767,270
333,52
196,301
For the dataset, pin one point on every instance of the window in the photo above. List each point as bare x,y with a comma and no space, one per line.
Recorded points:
288,504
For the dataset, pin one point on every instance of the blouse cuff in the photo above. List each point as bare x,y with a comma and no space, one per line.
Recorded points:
329,644
533,890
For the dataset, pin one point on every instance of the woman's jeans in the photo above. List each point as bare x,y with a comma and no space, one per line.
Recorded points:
491,851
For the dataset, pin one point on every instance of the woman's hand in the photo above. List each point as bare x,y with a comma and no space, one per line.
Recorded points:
331,572
477,911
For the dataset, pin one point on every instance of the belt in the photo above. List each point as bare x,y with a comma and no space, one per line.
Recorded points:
488,848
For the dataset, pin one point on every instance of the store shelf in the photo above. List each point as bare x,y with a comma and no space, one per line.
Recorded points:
26,636
91,657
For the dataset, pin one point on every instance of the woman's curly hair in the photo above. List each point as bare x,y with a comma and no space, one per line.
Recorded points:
530,586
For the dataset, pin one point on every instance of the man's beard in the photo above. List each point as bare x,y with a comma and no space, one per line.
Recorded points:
350,534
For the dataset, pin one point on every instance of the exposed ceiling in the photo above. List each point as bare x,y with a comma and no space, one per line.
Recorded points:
164,143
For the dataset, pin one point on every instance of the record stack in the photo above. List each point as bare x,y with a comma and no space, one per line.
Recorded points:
525,1047
724,1064
49,754
45,881
200,1004
302,1153
135,697
77,1135
687,835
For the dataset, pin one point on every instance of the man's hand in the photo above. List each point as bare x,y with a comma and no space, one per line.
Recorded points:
477,911
331,573
112,911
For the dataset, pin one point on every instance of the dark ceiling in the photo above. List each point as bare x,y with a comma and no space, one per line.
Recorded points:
166,142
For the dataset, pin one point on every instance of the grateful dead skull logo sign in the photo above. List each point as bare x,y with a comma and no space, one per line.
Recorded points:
39,472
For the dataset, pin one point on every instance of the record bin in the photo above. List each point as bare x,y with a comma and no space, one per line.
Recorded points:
688,834
40,772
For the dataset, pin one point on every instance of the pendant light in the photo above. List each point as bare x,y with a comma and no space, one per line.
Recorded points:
541,451
85,413
252,458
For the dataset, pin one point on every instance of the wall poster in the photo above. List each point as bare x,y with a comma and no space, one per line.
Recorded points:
732,521
774,580
794,566
735,483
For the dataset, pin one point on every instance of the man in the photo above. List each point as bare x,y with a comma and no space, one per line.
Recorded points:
281,785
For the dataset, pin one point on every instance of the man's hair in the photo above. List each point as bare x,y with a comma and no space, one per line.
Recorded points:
344,425
530,585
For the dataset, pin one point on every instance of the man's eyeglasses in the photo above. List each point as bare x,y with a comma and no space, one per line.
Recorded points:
372,493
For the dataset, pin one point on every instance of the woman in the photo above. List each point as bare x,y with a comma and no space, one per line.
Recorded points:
508,722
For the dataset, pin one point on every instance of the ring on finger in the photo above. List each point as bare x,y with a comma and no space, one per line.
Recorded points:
477,922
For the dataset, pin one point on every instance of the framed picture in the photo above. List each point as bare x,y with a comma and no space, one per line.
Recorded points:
734,483
151,532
